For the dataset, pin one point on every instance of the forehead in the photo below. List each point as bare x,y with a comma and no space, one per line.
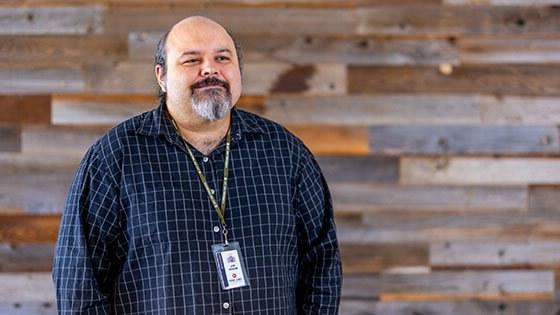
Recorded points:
199,36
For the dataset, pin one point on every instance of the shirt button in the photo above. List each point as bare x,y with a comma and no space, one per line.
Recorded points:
225,305
205,159
216,229
212,191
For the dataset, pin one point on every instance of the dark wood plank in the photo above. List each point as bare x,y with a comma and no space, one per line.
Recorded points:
50,20
21,228
375,109
28,109
367,198
379,257
10,138
544,198
333,140
484,171
533,80
26,257
508,254
360,169
452,285
418,140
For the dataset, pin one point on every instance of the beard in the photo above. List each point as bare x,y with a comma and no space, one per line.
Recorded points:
213,103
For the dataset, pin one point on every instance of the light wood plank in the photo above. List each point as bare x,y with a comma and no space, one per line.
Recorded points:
26,287
418,140
365,198
10,138
497,50
28,109
375,109
28,308
476,254
379,257
50,20
501,2
62,140
544,198
485,171
520,110
333,140
26,257
523,80
450,285
41,81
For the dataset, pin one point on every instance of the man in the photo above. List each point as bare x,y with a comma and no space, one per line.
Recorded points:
198,207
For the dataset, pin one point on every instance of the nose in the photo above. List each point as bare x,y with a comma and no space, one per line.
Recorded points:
208,69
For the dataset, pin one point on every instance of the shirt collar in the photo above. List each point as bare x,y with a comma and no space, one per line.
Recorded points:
156,123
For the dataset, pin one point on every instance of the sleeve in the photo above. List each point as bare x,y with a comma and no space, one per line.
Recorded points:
87,254
320,270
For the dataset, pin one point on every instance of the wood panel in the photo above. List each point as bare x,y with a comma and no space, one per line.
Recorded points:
488,171
10,140
50,20
379,257
375,109
453,285
520,110
41,81
359,169
533,80
26,257
364,198
62,140
544,198
21,228
26,287
464,140
472,254
333,140
501,2
27,109
497,50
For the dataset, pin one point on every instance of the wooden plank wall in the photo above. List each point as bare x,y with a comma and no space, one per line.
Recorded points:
435,121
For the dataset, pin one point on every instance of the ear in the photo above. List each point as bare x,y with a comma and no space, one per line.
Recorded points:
160,76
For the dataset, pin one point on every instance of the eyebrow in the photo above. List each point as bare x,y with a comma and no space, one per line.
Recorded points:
196,52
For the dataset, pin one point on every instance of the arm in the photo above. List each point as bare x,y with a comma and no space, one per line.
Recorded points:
89,241
320,272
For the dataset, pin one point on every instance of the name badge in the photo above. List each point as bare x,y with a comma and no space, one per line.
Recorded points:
229,262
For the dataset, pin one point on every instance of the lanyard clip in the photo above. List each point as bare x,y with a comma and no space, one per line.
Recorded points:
225,233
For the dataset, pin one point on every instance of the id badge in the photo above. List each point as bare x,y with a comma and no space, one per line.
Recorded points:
231,269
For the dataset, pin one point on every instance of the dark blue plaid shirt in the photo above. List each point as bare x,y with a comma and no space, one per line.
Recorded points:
138,226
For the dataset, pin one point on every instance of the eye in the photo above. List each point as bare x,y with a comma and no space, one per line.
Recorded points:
222,58
191,61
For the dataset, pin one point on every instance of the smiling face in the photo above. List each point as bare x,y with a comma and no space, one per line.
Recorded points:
203,75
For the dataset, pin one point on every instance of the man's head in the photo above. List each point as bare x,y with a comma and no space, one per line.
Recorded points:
198,68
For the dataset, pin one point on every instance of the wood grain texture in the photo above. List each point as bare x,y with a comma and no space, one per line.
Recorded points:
501,2
438,226
512,50
50,20
26,257
10,138
375,109
529,80
28,308
25,109
21,228
544,199
26,287
451,285
464,140
62,140
333,140
379,257
520,110
487,171
509,254
359,169
41,81
365,198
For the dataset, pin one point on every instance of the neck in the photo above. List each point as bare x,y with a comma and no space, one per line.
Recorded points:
201,133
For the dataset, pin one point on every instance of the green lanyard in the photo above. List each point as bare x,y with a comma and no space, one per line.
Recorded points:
219,210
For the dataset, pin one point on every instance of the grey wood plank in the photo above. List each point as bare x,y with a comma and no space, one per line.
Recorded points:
50,20
453,285
26,287
41,81
476,254
544,198
520,3
520,110
375,109
479,171
26,257
16,308
63,140
10,138
510,50
366,198
360,169
418,140
380,257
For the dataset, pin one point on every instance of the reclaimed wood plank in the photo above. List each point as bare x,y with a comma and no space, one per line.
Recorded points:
439,21
520,110
484,171
228,3
60,50
363,307
26,287
522,80
357,50
50,20
366,198
453,285
28,308
28,109
375,109
437,226
463,140
26,257
22,228
41,81
510,254
10,138
359,169
501,2
544,198
379,257
63,140
511,50
333,140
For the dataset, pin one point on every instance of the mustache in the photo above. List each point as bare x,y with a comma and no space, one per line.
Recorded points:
211,81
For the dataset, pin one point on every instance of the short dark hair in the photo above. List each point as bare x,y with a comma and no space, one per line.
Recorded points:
161,58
